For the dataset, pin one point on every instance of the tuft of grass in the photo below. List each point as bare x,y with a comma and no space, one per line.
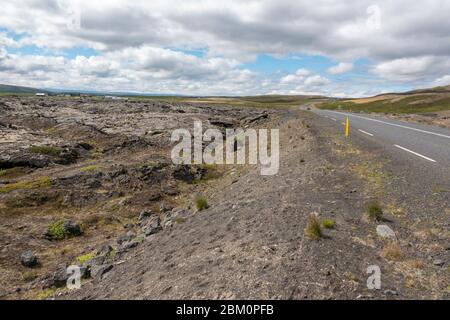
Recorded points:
96,151
372,172
56,230
139,239
30,276
41,182
201,203
374,211
89,168
313,231
179,220
393,252
85,257
12,172
213,171
45,294
328,224
48,150
416,264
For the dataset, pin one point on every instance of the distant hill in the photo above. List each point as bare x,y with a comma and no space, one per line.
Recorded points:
18,89
417,101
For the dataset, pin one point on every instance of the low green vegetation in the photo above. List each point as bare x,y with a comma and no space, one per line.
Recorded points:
313,230
56,231
85,257
48,150
90,168
328,224
400,105
374,211
11,172
16,94
45,294
201,203
41,182
96,151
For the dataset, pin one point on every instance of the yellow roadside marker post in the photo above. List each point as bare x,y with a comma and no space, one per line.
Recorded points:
347,124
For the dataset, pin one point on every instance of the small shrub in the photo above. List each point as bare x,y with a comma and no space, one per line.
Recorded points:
201,203
328,224
63,229
48,150
313,231
85,257
374,211
55,231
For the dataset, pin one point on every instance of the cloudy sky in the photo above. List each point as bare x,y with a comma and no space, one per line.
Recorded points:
336,48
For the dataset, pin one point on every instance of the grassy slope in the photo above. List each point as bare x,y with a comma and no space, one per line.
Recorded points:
256,101
6,90
418,103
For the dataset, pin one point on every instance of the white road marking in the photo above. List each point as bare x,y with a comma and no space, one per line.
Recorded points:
415,153
343,123
333,119
365,132
396,125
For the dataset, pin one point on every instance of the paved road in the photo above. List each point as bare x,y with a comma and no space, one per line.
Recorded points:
425,143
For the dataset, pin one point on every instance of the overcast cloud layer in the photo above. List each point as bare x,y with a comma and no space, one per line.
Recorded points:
339,48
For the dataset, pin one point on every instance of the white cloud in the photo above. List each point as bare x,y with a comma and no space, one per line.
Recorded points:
316,81
302,72
241,29
302,81
423,68
297,77
342,67
136,69
443,81
411,45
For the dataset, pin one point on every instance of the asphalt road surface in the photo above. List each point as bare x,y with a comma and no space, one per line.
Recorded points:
425,143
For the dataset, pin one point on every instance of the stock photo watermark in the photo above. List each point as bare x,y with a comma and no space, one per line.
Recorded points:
374,279
231,150
374,17
74,277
